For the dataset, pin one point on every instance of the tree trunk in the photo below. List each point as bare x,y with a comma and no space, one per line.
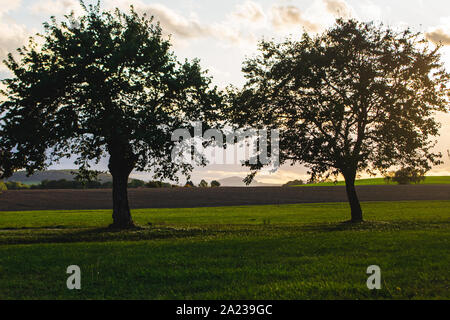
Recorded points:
121,210
355,206
120,167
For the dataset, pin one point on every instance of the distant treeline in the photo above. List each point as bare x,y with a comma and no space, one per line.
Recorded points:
75,184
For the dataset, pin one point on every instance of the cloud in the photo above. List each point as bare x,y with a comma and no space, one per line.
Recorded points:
283,17
439,35
191,28
12,35
176,24
9,5
55,7
339,8
250,11
369,11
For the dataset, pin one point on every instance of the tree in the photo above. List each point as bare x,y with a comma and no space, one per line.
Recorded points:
408,175
189,184
13,185
215,184
102,85
203,184
293,183
3,186
358,97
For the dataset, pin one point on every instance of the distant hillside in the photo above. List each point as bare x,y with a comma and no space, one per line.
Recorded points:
237,182
36,178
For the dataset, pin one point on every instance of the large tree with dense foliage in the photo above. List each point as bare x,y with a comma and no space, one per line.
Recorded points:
358,97
103,84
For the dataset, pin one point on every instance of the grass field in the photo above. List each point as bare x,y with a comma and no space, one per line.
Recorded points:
381,181
255,252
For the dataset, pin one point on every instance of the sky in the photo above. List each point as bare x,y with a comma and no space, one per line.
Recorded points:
223,33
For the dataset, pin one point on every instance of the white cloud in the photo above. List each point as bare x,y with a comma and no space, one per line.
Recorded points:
369,11
439,35
339,9
12,34
250,11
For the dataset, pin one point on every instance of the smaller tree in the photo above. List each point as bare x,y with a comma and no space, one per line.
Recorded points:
293,183
189,184
153,184
215,184
203,184
409,175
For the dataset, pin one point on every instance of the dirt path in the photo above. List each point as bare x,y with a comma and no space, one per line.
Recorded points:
197,197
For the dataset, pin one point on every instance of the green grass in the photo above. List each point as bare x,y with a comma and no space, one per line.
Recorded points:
380,181
251,252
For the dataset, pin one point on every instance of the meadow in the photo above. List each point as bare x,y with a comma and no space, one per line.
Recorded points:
302,251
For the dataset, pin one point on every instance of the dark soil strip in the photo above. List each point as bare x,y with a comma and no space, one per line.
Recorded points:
210,197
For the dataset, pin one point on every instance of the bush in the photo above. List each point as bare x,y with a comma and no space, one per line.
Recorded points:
293,183
69,184
13,185
215,184
408,175
203,184
158,184
189,184
107,185
389,177
136,183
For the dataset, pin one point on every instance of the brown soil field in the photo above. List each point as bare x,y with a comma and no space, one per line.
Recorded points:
210,197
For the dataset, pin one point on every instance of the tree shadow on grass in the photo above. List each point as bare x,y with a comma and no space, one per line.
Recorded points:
68,235
62,234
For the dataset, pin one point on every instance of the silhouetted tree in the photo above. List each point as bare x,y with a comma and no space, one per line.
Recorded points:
358,97
103,84
215,184
203,184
